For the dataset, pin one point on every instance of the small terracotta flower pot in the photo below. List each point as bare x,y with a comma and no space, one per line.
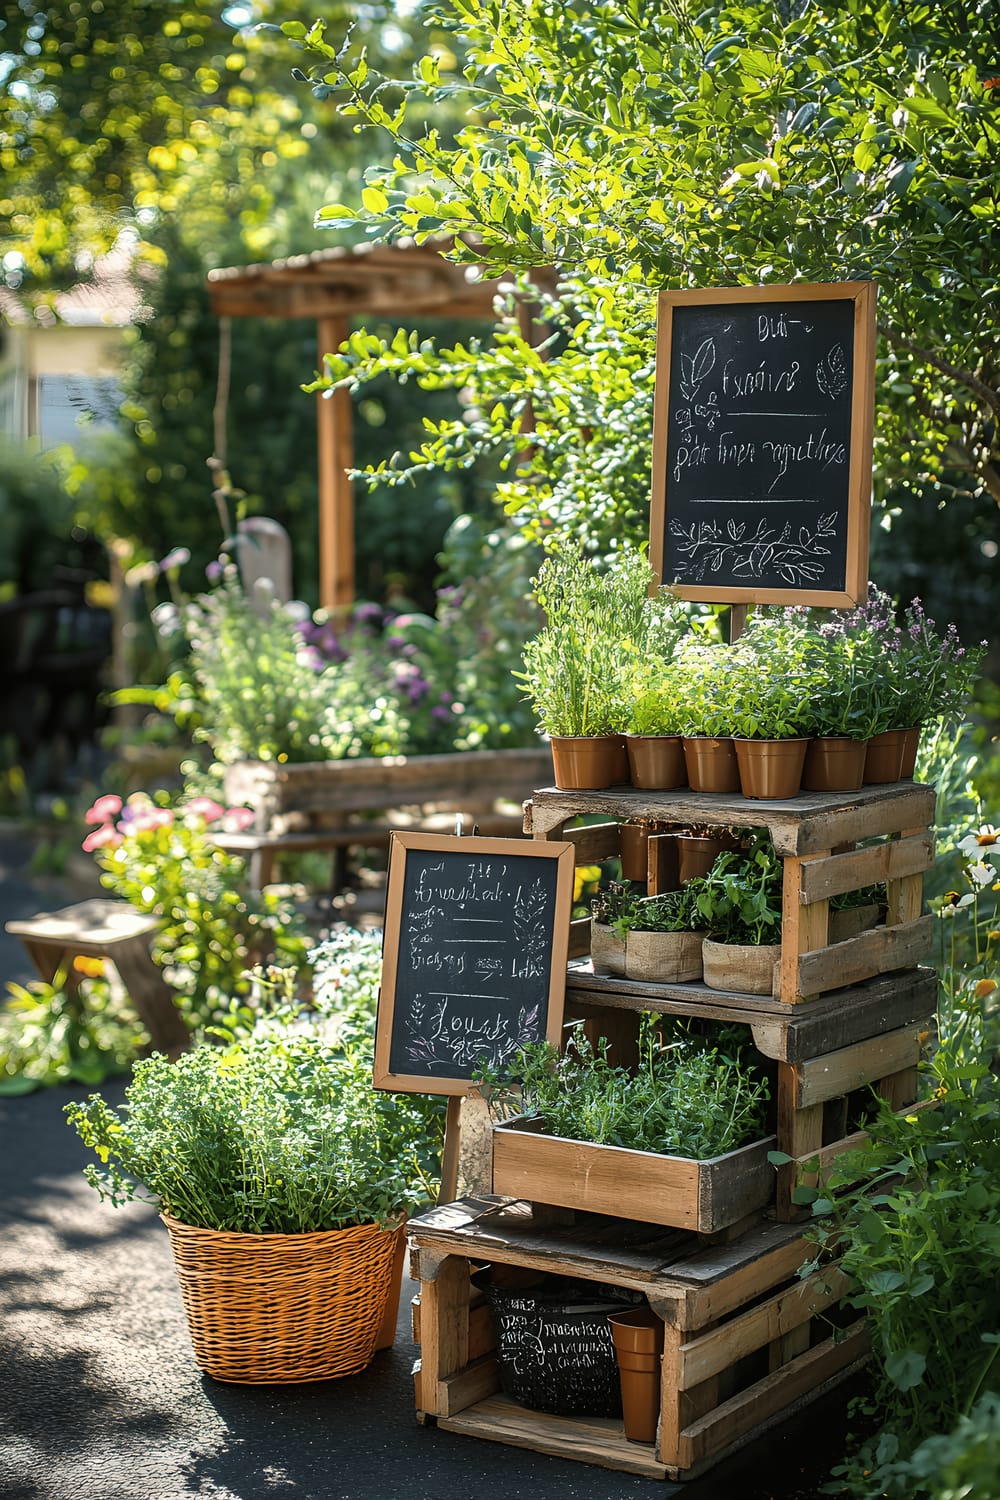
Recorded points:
638,1338
834,764
911,744
884,760
634,850
711,764
696,854
656,761
585,763
771,770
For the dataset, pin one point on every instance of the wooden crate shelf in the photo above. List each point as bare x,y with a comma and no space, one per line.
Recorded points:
845,1016
746,1341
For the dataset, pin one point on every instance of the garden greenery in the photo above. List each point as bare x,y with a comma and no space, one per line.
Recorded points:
740,899
273,1127
683,1099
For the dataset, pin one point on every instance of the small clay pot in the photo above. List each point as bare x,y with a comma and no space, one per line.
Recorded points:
834,764
884,758
711,764
771,770
588,763
656,761
638,1339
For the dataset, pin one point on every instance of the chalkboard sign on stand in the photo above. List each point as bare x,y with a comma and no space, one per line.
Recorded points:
474,956
762,439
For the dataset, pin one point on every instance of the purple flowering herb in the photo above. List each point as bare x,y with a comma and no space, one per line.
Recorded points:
214,571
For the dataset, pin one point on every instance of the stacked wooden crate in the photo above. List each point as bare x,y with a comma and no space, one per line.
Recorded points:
746,1341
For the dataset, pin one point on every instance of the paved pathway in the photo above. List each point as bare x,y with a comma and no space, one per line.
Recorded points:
100,1397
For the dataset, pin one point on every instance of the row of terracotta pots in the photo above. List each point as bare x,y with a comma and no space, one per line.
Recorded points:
764,770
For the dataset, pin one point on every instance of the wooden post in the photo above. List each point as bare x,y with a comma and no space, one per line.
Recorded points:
336,493
452,1144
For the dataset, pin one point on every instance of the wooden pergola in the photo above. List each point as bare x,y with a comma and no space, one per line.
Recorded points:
403,280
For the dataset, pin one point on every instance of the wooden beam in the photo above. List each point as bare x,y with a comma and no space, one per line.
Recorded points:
336,492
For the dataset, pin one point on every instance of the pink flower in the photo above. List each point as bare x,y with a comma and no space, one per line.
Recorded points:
238,818
104,809
104,837
204,807
142,819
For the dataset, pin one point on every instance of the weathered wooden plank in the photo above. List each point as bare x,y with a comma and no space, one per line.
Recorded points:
752,1407
800,1132
595,842
879,951
891,860
482,1338
711,1353
851,1068
465,1387
587,1439
807,824
444,1326
579,938
803,928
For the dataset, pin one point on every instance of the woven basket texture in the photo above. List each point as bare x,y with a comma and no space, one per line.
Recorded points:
283,1308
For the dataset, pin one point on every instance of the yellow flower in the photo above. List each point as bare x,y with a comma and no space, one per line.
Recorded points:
984,987
941,1092
93,968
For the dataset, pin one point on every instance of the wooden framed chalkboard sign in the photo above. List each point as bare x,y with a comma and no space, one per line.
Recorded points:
762,443
474,956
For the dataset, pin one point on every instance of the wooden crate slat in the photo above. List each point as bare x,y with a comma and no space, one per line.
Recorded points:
837,1073
474,1382
770,1396
713,1352
837,873
586,1439
875,952
579,938
596,842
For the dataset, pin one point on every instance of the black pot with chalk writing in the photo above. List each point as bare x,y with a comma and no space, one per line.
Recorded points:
555,1352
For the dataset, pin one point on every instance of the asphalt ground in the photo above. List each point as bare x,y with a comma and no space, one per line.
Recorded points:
100,1398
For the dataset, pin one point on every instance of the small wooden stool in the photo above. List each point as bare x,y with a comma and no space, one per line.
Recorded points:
113,930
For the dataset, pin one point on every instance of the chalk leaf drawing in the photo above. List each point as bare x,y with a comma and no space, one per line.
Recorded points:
831,373
696,367
706,547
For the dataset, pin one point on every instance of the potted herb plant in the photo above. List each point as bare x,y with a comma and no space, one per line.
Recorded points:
739,902
843,708
676,1142
702,681
769,688
284,1181
602,624
653,739
608,929
664,938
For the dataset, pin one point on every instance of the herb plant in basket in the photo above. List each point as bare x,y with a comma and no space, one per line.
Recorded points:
740,904
283,1180
664,938
609,911
677,1141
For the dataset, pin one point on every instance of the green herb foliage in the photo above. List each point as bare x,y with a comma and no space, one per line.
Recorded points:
65,1033
275,1129
739,900
683,1099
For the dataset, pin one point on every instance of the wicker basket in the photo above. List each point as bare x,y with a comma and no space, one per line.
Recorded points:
282,1308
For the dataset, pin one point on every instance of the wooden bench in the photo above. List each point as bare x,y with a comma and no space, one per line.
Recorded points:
111,930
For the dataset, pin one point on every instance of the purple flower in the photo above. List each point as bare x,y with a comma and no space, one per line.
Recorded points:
214,571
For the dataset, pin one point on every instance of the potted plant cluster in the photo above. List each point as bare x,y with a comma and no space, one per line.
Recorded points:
663,937
603,627
739,902
679,1140
284,1181
608,930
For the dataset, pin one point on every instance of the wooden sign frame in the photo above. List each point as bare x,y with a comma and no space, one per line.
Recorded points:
858,501
401,845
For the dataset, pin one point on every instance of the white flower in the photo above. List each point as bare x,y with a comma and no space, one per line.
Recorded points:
986,837
982,873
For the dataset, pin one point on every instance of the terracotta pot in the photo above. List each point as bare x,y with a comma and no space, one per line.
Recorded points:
697,854
634,850
884,760
771,770
656,761
607,950
911,744
588,763
663,957
834,764
638,1337
711,764
740,967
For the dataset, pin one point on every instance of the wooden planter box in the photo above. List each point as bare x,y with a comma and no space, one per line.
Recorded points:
317,794
700,1195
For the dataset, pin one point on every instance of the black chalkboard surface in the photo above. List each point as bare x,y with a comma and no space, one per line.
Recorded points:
762,443
474,956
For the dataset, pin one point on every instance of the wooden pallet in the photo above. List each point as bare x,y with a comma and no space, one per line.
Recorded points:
746,1341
